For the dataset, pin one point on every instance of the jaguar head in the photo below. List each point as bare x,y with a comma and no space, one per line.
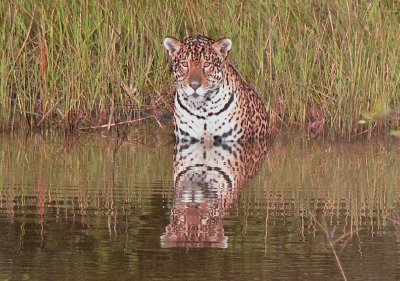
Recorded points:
199,63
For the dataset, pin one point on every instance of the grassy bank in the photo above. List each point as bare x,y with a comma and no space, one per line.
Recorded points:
323,66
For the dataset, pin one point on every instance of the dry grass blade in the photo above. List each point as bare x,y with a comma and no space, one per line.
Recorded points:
48,113
116,124
26,38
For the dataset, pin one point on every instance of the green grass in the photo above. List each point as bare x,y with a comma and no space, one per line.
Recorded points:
321,65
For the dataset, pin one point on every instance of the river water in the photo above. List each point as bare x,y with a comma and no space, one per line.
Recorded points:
98,207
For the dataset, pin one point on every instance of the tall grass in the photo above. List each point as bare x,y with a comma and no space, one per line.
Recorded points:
321,65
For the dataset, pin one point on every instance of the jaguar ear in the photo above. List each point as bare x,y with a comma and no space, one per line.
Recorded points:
172,45
223,46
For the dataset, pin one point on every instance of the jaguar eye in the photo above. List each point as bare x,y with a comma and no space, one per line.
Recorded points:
185,64
206,64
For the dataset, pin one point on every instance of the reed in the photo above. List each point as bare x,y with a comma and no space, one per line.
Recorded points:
324,66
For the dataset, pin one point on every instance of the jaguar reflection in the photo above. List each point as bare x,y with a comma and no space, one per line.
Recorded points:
208,179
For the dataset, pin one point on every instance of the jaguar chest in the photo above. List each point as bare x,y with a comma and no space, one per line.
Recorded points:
206,119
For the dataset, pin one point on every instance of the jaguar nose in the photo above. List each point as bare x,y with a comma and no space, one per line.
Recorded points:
195,85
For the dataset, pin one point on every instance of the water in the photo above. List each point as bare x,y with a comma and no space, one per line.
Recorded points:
104,208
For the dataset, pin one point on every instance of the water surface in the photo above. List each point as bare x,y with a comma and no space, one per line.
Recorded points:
105,208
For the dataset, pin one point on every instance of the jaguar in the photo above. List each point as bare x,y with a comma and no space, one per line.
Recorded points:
208,180
212,102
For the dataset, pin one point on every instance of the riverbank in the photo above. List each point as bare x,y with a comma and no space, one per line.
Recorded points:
326,67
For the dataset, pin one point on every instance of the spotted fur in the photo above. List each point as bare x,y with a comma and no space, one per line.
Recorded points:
208,180
212,101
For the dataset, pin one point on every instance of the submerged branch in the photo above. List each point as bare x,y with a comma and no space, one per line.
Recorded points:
325,229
